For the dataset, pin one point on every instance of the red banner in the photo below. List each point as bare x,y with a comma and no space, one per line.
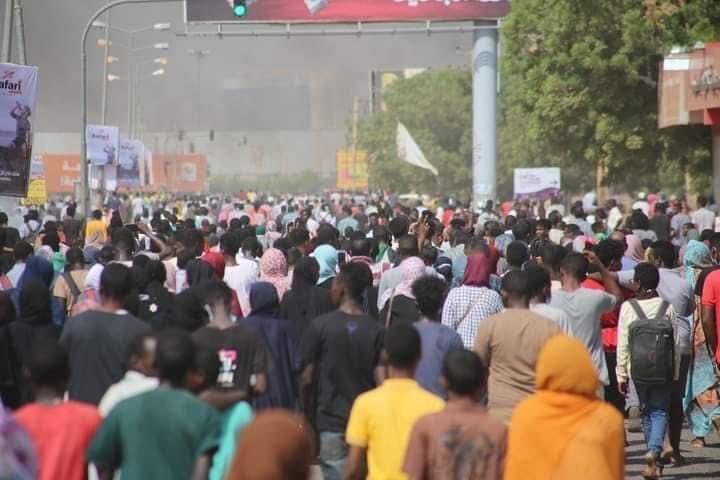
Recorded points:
339,11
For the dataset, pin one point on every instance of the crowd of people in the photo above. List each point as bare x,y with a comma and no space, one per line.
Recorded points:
253,336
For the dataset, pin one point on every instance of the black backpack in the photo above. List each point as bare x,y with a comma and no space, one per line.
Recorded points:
652,347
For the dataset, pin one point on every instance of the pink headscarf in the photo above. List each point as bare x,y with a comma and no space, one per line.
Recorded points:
274,269
634,248
411,269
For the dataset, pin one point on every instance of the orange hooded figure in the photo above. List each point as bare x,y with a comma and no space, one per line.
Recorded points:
563,431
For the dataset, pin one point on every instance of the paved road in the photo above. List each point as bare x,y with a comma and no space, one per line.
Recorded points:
704,463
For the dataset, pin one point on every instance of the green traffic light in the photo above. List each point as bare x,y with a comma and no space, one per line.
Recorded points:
240,10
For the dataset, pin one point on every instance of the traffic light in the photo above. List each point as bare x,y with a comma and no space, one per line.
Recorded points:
240,8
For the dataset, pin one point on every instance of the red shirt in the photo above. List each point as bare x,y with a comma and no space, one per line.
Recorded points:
711,298
61,435
608,320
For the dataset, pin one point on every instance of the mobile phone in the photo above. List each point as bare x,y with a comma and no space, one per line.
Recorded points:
342,257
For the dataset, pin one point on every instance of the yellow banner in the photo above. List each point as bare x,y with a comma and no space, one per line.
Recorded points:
37,192
352,170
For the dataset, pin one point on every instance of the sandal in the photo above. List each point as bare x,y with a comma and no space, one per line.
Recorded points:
651,468
698,442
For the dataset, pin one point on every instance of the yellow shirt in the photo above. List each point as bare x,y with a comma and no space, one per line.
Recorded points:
381,421
96,230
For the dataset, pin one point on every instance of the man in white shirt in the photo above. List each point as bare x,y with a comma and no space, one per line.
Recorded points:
539,284
703,218
614,214
241,269
139,378
21,252
642,204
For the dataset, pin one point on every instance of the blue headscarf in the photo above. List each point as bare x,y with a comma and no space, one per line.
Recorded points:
326,256
697,255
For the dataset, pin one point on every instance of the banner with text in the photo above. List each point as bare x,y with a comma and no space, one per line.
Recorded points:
353,11
130,164
352,170
18,96
536,183
102,144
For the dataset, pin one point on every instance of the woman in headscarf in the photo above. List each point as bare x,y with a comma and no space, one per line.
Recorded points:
281,386
34,323
634,252
274,269
702,394
472,302
563,431
10,369
277,445
304,301
399,302
326,256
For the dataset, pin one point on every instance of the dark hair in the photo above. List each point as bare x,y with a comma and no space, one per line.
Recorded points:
576,265
136,347
521,230
116,282
293,256
360,247
706,235
715,240
403,346
429,254
189,312
75,256
516,253
609,250
155,271
639,220
666,252
538,279
22,250
252,245
464,372
96,214
516,282
408,246
49,365
356,277
429,292
647,276
218,291
298,237
174,356
702,200
230,244
552,256
123,238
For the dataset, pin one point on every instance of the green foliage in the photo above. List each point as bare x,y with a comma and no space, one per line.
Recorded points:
305,181
435,106
579,90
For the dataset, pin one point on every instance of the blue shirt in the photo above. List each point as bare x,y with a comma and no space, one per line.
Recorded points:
437,340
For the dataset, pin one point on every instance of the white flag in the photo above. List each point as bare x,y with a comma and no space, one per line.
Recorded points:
409,151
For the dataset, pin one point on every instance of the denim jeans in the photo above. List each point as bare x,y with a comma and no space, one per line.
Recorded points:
333,453
654,409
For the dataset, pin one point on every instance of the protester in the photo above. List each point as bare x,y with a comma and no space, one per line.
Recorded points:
467,306
399,304
273,270
509,343
563,431
437,339
540,289
97,341
342,351
276,445
162,433
653,360
381,420
60,431
461,441
326,256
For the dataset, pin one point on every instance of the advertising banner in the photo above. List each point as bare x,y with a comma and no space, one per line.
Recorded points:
130,164
18,96
352,170
346,11
102,144
536,183
37,192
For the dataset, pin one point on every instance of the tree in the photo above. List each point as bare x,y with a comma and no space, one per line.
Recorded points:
435,106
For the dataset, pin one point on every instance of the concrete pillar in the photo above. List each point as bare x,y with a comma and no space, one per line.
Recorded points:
484,69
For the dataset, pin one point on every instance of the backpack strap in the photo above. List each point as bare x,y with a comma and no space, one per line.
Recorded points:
467,311
388,315
74,289
662,310
636,306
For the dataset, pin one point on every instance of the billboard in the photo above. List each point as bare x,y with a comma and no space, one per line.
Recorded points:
536,183
18,95
345,11
705,79
102,144
352,170
130,164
